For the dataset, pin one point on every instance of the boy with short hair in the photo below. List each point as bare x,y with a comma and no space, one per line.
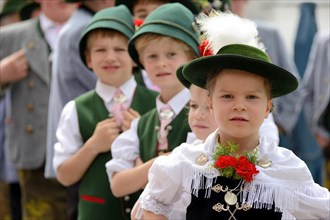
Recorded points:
160,46
237,173
167,39
91,122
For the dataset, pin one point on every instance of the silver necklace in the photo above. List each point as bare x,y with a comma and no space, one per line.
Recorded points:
231,199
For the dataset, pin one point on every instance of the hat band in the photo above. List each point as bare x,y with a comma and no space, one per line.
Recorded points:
244,50
116,20
174,25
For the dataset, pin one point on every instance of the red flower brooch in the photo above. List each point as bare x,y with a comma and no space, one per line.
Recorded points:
233,165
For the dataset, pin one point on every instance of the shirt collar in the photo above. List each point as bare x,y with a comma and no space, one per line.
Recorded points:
46,23
177,103
106,92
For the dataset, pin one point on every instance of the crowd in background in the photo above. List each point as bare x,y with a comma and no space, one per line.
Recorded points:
43,67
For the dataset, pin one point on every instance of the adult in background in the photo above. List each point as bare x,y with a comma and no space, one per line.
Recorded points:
28,90
316,84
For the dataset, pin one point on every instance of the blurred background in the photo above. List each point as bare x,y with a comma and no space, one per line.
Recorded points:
285,14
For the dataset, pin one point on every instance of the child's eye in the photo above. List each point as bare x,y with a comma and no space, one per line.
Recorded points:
171,54
100,50
120,49
193,106
227,96
152,56
251,97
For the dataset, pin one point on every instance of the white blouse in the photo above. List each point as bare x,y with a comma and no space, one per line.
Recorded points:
287,183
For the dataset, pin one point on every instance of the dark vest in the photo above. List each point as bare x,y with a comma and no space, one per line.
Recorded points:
201,208
96,200
139,77
148,134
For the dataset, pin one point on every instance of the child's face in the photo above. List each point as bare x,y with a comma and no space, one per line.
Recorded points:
200,119
109,59
161,58
239,104
142,8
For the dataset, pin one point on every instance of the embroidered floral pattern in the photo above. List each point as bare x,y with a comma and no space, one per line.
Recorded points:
233,165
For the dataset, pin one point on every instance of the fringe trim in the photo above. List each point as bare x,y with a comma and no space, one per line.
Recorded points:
259,194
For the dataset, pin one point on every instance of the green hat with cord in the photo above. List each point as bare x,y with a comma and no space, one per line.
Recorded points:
235,44
171,20
116,18
187,3
241,57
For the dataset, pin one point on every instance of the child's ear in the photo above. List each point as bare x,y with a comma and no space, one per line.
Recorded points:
269,107
209,102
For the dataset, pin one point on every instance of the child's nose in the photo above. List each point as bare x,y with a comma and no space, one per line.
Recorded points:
110,55
162,62
239,106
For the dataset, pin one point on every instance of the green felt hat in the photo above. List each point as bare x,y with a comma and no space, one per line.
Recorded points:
171,20
182,79
241,57
187,3
115,18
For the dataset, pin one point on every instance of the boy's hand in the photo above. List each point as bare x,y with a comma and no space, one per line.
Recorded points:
104,134
13,67
128,116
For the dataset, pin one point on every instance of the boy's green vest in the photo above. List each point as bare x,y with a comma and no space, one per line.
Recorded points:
96,200
148,134
138,76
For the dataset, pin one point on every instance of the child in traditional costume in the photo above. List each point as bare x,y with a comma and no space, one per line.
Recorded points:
237,173
90,123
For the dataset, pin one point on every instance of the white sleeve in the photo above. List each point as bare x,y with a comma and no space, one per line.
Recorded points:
269,130
314,207
125,149
69,139
162,192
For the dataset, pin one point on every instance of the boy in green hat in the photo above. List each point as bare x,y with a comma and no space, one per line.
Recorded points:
91,122
237,173
166,40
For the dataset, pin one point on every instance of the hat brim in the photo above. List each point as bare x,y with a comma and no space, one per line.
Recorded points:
182,79
99,25
165,30
198,70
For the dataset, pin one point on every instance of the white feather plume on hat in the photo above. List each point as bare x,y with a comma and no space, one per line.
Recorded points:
224,28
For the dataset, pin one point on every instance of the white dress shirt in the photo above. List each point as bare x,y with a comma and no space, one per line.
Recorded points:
68,132
126,148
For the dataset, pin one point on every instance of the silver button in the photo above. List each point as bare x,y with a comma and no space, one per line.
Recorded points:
127,198
127,210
